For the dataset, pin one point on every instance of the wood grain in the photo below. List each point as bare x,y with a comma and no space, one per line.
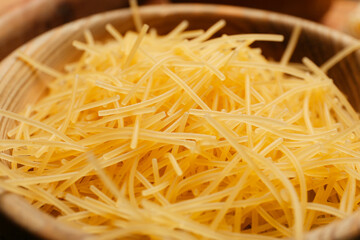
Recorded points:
20,84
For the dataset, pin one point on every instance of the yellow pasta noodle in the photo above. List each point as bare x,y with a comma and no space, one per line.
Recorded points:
186,136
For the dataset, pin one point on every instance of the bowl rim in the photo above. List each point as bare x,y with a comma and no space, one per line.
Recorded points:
10,201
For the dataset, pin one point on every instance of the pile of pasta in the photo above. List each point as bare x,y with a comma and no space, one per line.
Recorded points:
185,136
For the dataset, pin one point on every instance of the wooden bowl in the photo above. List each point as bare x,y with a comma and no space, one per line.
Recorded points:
20,84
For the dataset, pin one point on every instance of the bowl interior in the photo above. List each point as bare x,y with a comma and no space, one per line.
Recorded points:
20,84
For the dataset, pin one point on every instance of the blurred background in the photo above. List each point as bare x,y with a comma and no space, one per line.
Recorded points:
22,20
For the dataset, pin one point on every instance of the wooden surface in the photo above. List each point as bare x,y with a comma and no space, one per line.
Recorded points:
19,84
